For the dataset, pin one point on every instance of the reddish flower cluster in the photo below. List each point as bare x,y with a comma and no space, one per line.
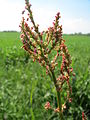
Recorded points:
56,110
41,45
47,106
63,107
83,116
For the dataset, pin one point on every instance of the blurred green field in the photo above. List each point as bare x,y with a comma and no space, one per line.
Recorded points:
25,88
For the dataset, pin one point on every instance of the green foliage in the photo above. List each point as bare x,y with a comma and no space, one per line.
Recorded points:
22,97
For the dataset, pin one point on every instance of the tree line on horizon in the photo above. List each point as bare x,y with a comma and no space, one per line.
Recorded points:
79,33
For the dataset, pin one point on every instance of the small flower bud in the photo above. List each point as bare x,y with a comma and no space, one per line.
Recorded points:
58,13
22,36
41,41
70,100
23,11
35,50
27,19
63,106
56,110
26,7
47,105
41,33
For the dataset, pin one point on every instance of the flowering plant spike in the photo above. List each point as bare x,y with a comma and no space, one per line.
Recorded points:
49,49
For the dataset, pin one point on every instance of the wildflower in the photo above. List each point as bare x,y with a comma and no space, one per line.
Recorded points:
20,26
70,100
47,106
41,41
29,5
56,110
35,50
63,106
34,60
41,33
43,63
39,52
22,36
53,24
27,19
73,74
26,25
47,67
23,11
46,56
71,69
50,51
26,7
83,116
58,13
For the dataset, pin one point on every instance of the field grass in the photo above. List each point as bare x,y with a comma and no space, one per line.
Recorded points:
9,39
25,88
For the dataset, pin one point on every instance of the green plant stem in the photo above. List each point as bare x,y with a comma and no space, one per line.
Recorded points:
58,97
60,105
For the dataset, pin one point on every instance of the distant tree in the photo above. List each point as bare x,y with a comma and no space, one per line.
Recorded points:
10,31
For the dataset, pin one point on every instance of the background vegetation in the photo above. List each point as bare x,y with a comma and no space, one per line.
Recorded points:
25,87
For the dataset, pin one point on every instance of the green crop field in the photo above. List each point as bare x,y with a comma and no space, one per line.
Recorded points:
25,87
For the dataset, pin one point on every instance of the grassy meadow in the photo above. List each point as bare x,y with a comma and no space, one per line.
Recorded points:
25,87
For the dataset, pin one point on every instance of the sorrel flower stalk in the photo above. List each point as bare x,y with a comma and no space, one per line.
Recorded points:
49,49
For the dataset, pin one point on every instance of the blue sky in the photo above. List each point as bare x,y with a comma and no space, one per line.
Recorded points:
75,14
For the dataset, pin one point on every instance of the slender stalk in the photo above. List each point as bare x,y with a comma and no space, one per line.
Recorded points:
58,97
60,105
